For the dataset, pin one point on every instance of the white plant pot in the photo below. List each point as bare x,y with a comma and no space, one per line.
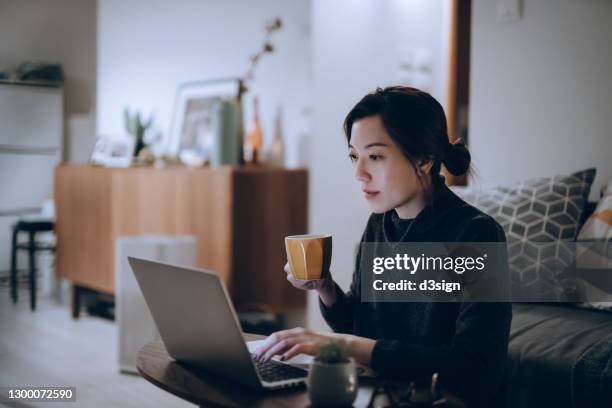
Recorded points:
332,385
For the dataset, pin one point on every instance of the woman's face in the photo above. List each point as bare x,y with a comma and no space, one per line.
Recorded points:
388,180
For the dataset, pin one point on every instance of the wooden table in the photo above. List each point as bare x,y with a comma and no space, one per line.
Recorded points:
207,390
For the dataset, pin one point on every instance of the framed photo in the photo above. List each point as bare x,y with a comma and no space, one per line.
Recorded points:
190,129
113,151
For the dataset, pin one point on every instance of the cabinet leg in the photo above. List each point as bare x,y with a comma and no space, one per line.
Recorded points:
76,301
32,259
14,265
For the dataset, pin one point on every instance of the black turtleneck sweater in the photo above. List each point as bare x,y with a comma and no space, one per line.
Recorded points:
466,343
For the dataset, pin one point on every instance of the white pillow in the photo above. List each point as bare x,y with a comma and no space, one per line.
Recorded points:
598,228
599,224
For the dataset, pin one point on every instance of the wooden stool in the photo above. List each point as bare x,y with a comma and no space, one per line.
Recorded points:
32,228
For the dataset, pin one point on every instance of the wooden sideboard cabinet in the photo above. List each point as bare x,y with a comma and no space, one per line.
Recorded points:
239,215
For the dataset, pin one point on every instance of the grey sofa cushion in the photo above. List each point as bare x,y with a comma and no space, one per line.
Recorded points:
547,345
539,217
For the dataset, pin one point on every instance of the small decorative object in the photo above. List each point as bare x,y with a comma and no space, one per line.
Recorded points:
266,48
112,151
191,158
332,379
195,120
146,156
276,152
136,127
255,136
254,140
226,117
416,394
40,71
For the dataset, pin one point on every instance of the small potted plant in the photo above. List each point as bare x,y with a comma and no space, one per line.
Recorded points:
136,127
332,379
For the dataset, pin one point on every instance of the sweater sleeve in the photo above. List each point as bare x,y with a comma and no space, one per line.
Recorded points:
472,366
340,315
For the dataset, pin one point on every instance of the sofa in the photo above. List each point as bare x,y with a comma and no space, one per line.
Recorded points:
560,351
559,356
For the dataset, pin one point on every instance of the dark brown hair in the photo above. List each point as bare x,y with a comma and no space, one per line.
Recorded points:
417,124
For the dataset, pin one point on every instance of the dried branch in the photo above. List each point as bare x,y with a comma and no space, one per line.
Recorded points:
267,47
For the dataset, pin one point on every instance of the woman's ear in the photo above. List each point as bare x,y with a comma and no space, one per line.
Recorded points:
424,167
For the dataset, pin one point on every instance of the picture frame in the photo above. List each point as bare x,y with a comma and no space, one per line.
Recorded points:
113,151
190,128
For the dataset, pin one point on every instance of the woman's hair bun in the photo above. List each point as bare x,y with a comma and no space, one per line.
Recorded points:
457,158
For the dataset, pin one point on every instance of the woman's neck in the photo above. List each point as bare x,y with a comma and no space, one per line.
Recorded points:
412,208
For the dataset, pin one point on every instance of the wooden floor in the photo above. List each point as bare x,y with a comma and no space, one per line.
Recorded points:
48,348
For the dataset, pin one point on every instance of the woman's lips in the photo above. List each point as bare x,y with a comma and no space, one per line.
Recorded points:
370,194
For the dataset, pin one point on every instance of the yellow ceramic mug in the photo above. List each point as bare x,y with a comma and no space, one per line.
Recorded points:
309,255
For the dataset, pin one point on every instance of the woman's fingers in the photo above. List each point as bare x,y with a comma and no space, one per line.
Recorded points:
264,346
291,278
305,284
279,348
313,284
277,337
292,342
300,348
302,284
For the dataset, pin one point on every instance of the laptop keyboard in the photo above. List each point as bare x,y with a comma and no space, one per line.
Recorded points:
273,371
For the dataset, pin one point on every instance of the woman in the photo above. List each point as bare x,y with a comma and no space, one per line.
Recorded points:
397,139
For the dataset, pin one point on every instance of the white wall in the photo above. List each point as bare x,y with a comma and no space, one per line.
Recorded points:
147,47
541,90
61,31
354,48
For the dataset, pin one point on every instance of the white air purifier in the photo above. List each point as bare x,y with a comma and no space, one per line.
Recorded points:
136,326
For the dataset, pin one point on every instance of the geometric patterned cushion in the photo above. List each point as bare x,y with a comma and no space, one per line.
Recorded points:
538,215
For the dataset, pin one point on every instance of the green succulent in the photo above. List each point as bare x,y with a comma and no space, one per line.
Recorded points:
136,127
332,352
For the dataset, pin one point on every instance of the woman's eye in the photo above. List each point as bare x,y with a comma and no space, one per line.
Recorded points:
375,157
352,157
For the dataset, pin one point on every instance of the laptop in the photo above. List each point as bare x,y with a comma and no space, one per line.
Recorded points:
199,327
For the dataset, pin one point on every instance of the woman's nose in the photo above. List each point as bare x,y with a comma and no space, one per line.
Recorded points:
361,173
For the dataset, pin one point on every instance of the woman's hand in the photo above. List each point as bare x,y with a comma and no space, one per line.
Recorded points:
289,343
325,287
